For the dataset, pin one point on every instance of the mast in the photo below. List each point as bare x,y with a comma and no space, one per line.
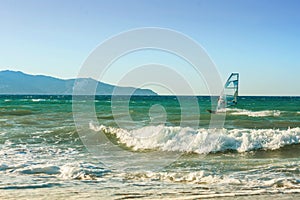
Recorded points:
231,89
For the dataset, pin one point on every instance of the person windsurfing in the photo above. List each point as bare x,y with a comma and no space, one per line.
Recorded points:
221,104
229,95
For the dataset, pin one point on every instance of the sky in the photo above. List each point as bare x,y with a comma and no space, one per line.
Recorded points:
257,38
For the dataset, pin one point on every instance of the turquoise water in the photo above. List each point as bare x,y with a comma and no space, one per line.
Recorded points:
256,151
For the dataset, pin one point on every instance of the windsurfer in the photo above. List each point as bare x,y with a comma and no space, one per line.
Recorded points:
221,103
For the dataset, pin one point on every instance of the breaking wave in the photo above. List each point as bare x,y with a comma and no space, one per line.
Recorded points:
201,141
249,113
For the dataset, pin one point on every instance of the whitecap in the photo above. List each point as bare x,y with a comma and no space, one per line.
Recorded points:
38,100
81,171
202,141
249,113
39,169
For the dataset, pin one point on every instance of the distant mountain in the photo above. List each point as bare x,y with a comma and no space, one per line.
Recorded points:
16,82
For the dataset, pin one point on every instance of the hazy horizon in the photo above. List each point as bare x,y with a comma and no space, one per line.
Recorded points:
119,85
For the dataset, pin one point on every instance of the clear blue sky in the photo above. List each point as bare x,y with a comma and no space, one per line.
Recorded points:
260,39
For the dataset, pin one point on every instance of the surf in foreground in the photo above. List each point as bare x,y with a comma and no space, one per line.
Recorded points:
257,151
201,141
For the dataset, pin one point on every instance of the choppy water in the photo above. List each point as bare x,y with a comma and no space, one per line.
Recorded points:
257,151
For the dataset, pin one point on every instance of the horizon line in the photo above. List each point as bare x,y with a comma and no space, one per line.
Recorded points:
244,95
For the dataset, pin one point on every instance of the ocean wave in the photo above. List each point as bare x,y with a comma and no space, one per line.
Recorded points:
39,169
16,112
201,141
240,184
177,177
249,113
206,177
82,171
38,100
79,171
29,186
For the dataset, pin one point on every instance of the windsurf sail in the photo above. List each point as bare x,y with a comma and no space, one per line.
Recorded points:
230,93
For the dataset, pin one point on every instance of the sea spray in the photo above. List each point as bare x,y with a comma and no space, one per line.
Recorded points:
189,140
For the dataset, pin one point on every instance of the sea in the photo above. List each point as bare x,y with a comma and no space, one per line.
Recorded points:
149,147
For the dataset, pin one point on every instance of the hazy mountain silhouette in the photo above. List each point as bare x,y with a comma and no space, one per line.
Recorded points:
16,82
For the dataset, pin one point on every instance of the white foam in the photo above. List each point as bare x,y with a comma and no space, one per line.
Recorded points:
263,113
38,100
81,171
179,177
39,169
202,141
220,181
71,171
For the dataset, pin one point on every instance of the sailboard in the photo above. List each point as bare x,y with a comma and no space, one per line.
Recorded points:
229,95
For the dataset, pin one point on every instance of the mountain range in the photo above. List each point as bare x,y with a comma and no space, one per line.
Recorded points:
16,82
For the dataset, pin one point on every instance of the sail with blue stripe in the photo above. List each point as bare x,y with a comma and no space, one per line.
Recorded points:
230,93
